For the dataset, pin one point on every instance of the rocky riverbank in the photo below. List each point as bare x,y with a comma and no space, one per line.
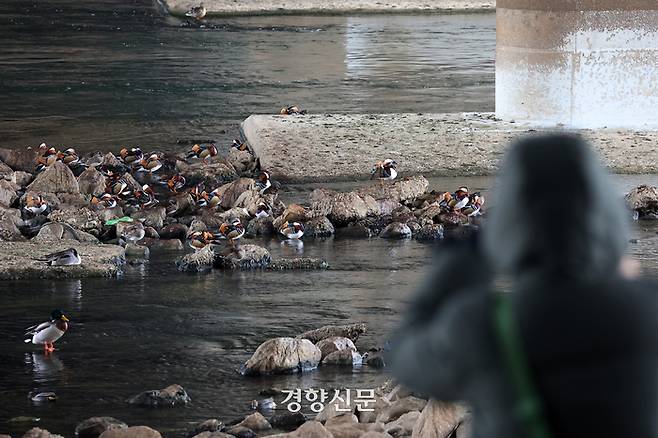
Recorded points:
334,7
389,411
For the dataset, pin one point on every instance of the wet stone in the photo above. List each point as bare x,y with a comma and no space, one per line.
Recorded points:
173,395
288,420
94,426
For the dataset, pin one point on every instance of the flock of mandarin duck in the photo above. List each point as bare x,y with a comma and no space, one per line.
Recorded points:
153,166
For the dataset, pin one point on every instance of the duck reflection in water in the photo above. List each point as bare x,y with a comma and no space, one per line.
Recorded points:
294,246
44,367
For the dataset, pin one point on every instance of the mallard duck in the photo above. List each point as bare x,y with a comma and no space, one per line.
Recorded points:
151,164
231,231
292,230
107,200
239,145
201,239
292,111
263,182
263,210
69,157
384,170
197,12
133,233
176,182
35,205
131,156
203,151
49,332
67,257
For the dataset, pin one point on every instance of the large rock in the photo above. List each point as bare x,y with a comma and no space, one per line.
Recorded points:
240,432
260,227
151,217
83,219
94,426
241,161
57,178
198,261
429,232
350,331
335,343
644,201
292,213
256,422
19,159
318,227
287,420
91,182
172,395
56,231
396,230
22,179
217,171
283,355
403,190
216,434
8,193
243,257
208,426
311,429
10,220
6,172
342,208
373,410
439,419
132,432
401,407
343,358
36,432
404,425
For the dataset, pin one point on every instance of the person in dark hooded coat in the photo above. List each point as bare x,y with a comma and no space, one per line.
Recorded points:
588,333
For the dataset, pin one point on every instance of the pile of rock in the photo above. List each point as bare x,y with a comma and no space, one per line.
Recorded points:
643,201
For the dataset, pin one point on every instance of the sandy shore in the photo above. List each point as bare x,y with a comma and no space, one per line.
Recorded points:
283,7
317,148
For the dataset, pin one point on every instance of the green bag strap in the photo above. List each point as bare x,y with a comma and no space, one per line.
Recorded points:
529,407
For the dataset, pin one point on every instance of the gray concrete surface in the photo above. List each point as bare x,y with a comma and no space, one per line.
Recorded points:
332,147
282,7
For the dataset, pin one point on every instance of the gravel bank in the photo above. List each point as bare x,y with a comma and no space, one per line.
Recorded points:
284,7
319,148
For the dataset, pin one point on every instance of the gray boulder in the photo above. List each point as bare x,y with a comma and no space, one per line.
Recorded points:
318,227
57,178
283,355
396,230
94,426
172,395
91,182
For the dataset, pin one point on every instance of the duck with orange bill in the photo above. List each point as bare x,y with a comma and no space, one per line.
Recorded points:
263,182
231,231
292,230
384,170
49,332
176,182
47,156
203,151
131,156
200,239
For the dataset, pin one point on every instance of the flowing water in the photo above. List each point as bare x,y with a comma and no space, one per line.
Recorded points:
96,75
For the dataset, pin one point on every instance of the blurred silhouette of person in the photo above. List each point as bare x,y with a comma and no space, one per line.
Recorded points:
573,350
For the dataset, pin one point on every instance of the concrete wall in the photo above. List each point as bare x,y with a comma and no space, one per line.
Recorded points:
580,63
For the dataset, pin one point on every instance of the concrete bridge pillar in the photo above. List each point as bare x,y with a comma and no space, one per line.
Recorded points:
579,63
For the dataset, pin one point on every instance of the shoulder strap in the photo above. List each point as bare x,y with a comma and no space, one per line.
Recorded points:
529,408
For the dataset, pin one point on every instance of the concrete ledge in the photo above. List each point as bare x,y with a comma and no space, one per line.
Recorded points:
17,260
330,147
333,7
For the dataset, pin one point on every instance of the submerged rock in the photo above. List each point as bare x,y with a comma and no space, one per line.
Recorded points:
335,343
243,257
343,358
298,263
172,395
318,227
283,355
643,200
350,331
132,432
396,230
94,426
57,178
198,261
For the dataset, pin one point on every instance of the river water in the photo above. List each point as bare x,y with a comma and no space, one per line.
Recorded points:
103,74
